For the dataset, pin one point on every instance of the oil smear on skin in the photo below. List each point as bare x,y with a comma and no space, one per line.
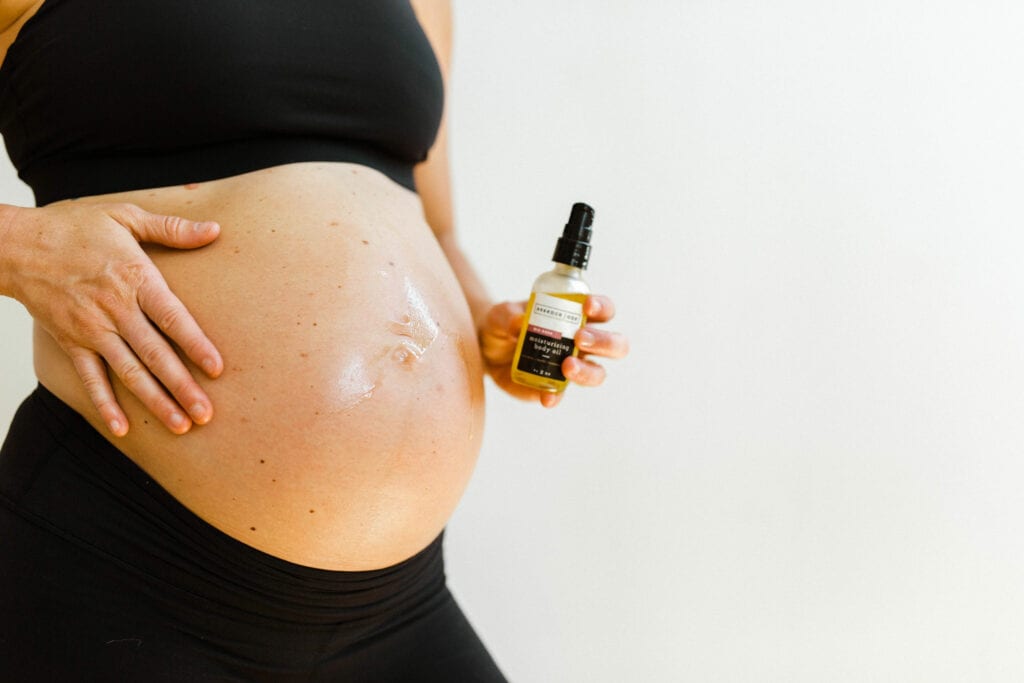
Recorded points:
415,330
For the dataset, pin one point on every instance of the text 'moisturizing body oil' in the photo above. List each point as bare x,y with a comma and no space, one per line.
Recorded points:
555,311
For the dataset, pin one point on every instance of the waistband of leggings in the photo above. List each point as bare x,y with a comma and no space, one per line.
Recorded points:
85,489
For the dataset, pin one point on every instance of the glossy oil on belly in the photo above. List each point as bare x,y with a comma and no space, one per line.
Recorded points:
348,418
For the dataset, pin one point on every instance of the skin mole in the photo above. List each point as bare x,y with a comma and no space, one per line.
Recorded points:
365,242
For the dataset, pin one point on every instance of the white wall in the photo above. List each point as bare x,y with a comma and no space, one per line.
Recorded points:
810,215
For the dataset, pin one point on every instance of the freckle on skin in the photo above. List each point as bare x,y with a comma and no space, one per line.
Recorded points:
252,528
304,355
262,461
365,242
312,511
335,223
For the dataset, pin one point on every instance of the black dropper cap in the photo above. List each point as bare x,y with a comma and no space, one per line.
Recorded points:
573,248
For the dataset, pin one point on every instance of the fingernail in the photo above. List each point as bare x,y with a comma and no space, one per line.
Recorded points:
210,366
584,339
205,226
199,413
177,420
115,426
595,306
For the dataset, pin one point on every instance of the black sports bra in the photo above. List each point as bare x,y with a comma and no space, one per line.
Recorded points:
101,96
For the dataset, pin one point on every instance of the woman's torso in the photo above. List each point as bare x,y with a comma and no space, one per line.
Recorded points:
349,415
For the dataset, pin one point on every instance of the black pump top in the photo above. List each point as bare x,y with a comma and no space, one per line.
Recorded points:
573,248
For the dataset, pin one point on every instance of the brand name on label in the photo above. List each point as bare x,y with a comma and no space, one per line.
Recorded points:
572,318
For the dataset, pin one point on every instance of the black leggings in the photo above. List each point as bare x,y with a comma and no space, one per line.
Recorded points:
104,576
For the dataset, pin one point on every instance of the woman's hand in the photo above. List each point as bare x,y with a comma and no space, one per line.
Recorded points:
499,334
80,272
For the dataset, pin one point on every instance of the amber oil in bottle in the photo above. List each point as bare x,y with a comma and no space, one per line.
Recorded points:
555,311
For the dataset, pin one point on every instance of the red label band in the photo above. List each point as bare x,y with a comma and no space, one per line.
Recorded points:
544,331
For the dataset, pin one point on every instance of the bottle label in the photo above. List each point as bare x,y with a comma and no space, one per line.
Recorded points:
550,330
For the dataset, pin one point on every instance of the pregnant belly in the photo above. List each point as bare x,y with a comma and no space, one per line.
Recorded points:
349,414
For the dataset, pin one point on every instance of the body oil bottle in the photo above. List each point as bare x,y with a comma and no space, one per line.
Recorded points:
555,311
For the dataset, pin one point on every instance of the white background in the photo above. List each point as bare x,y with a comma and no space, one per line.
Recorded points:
810,215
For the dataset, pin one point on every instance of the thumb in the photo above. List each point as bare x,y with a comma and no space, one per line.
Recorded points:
170,231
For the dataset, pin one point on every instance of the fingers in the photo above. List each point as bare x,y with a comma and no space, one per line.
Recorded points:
598,308
550,400
170,231
602,342
160,360
138,380
505,319
161,306
93,373
583,372
500,332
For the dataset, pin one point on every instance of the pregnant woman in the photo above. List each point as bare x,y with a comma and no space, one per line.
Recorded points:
259,348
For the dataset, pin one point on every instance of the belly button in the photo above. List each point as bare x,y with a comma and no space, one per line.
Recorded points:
407,353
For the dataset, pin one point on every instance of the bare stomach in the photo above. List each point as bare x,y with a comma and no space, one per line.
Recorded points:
348,418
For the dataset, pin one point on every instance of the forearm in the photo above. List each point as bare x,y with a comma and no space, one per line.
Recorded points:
8,246
472,286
